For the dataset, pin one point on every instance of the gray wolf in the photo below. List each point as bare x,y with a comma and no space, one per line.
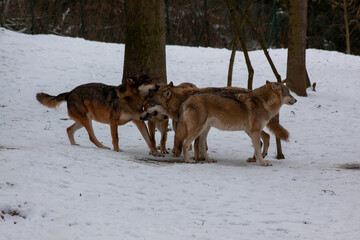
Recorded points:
168,99
114,105
249,112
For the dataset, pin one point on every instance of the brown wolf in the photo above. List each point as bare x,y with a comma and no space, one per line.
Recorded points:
106,104
168,99
248,112
161,121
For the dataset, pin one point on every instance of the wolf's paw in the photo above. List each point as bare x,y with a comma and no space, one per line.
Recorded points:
190,161
265,163
164,151
199,158
156,153
176,153
211,160
118,150
252,159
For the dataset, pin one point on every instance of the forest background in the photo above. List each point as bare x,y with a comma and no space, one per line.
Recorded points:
204,23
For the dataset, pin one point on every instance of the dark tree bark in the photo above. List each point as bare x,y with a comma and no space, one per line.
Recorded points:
145,39
347,32
296,68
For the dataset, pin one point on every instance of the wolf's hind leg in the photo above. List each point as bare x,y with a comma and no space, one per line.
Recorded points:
193,133
203,146
88,126
266,140
71,130
180,135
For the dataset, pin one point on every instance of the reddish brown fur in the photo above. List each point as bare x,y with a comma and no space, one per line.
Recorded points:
106,104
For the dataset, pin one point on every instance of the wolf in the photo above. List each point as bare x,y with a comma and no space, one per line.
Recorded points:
168,99
245,112
114,105
160,121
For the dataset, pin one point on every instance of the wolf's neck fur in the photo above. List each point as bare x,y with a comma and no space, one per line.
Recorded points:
270,99
178,96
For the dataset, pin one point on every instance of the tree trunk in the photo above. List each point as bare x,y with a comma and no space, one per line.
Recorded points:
347,32
296,67
145,39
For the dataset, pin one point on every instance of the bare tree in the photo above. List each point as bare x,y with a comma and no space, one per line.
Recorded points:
351,9
145,39
296,76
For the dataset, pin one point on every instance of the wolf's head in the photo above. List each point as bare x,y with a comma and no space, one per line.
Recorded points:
134,89
283,92
140,83
156,112
158,96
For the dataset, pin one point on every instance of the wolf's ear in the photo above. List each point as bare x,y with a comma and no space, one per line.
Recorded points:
167,94
275,86
130,81
171,84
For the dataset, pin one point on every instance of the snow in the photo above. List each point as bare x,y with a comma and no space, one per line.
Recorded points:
82,192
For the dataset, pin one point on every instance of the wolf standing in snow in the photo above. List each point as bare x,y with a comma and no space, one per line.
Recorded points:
168,100
247,112
106,104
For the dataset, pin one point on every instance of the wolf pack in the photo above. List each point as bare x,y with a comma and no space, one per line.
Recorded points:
193,112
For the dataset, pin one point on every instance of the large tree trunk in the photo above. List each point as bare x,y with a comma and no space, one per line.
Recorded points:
145,39
296,67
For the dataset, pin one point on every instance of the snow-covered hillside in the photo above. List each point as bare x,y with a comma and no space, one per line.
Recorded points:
52,190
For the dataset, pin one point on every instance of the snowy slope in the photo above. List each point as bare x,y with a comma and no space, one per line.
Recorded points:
82,192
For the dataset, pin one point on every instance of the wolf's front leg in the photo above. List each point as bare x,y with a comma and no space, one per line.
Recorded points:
114,135
255,138
163,127
144,132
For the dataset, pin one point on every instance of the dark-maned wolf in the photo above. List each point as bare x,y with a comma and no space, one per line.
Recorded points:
106,104
168,99
248,112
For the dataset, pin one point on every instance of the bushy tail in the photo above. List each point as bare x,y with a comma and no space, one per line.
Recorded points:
51,101
278,130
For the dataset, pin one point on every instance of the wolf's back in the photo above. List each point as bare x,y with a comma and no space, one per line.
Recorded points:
51,101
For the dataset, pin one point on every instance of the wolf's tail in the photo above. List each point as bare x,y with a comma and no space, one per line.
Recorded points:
51,101
278,130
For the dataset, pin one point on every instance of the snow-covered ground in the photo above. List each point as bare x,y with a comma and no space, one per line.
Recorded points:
82,192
